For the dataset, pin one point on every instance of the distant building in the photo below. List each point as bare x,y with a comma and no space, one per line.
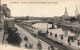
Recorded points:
65,13
76,12
65,16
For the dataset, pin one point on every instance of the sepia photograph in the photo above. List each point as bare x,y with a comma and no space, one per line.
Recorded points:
39,24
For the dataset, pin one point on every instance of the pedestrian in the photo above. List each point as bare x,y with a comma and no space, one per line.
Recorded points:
69,41
48,47
39,45
26,45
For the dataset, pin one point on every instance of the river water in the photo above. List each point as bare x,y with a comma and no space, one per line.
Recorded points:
59,31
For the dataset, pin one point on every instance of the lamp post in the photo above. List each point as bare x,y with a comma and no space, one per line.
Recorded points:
78,42
1,19
47,31
0,8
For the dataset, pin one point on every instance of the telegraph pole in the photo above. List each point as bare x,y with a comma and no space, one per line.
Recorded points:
0,10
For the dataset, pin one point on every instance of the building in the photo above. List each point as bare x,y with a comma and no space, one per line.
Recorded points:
6,10
9,22
65,13
65,16
76,12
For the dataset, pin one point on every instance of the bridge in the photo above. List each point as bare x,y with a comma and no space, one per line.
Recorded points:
54,23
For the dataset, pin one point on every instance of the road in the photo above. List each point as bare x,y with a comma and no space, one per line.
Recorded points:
31,39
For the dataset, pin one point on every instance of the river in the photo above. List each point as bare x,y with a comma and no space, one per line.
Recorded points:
43,26
58,31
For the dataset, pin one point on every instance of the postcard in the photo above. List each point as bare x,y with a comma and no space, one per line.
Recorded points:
39,24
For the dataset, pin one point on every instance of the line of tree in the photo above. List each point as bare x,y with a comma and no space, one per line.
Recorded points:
72,19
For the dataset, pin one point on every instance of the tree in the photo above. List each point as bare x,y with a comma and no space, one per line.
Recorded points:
27,17
72,19
78,18
13,37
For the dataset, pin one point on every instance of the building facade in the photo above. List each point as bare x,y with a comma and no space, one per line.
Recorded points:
66,13
6,10
9,22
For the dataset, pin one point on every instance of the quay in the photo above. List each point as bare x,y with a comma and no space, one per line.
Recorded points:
48,41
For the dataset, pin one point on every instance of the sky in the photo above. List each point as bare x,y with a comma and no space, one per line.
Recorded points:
51,9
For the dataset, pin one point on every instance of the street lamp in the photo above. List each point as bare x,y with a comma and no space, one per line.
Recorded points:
0,8
47,31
